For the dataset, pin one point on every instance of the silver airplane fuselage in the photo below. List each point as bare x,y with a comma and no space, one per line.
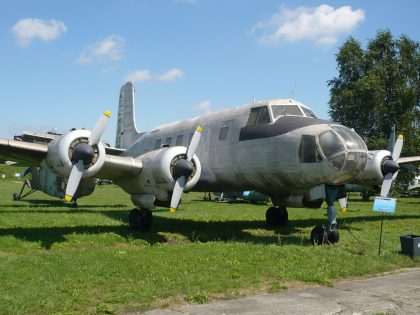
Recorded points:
281,156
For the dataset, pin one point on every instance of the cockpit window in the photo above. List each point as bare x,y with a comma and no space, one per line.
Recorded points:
308,112
258,116
285,110
352,140
333,148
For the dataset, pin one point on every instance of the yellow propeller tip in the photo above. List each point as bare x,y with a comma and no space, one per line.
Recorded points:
400,136
343,209
107,113
172,210
199,129
68,198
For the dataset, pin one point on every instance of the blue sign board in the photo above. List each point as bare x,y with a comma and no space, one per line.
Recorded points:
384,204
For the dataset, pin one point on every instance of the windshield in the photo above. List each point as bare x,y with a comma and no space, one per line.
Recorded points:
308,112
285,110
258,116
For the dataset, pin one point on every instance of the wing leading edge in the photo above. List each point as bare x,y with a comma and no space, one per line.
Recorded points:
33,154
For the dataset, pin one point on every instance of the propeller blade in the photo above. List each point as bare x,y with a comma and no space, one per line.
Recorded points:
74,180
194,143
386,185
99,129
176,194
397,148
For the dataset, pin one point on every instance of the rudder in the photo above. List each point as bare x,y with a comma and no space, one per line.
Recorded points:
127,131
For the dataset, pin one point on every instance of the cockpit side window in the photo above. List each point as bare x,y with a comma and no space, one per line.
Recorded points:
285,110
258,116
308,112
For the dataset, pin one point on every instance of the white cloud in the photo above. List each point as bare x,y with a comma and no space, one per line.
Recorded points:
171,75
145,75
204,107
107,49
29,29
139,75
323,24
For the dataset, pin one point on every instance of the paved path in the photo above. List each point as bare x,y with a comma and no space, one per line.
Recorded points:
393,293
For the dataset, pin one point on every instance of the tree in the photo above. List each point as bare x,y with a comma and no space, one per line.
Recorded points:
378,88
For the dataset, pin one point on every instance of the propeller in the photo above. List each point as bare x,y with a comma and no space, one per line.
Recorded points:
183,169
83,155
390,167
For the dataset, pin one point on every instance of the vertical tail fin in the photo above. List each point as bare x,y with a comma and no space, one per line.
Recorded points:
127,131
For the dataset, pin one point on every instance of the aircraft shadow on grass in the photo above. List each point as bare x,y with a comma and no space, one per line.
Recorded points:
191,230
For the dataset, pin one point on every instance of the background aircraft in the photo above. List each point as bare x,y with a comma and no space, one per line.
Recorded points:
277,147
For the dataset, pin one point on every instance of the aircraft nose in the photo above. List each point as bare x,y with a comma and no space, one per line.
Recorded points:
344,150
351,139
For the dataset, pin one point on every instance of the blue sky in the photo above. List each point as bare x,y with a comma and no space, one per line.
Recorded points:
63,62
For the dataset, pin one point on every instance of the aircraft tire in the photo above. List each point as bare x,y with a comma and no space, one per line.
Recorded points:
276,216
140,220
318,235
15,197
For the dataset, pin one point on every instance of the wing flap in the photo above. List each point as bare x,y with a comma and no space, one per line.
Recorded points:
24,152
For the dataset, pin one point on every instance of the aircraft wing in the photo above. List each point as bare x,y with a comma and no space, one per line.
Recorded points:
32,154
409,159
27,153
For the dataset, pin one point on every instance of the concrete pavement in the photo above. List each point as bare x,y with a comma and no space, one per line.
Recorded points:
392,293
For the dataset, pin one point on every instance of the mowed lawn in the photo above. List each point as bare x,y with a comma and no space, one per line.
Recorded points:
60,260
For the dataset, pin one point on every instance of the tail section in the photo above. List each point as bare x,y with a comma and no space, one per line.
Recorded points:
127,131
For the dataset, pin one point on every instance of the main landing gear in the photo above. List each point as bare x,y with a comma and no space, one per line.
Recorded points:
140,220
276,216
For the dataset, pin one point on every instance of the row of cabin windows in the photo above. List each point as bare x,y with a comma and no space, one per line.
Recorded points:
223,133
168,141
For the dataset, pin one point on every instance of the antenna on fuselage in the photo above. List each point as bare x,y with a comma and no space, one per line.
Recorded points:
292,93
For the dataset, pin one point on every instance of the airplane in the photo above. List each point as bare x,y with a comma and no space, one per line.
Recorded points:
277,147
42,179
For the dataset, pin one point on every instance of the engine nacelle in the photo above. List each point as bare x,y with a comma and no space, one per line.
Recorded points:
373,173
60,152
158,171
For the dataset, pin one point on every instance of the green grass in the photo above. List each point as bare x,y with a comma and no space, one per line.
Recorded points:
60,260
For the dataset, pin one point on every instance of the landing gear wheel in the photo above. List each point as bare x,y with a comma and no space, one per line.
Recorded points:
140,220
318,235
276,216
333,236
15,197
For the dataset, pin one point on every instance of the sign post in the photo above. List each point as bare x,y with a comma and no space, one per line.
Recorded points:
384,205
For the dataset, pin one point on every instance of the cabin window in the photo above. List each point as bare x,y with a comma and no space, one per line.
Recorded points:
223,133
179,139
308,152
168,141
258,116
285,110
158,143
